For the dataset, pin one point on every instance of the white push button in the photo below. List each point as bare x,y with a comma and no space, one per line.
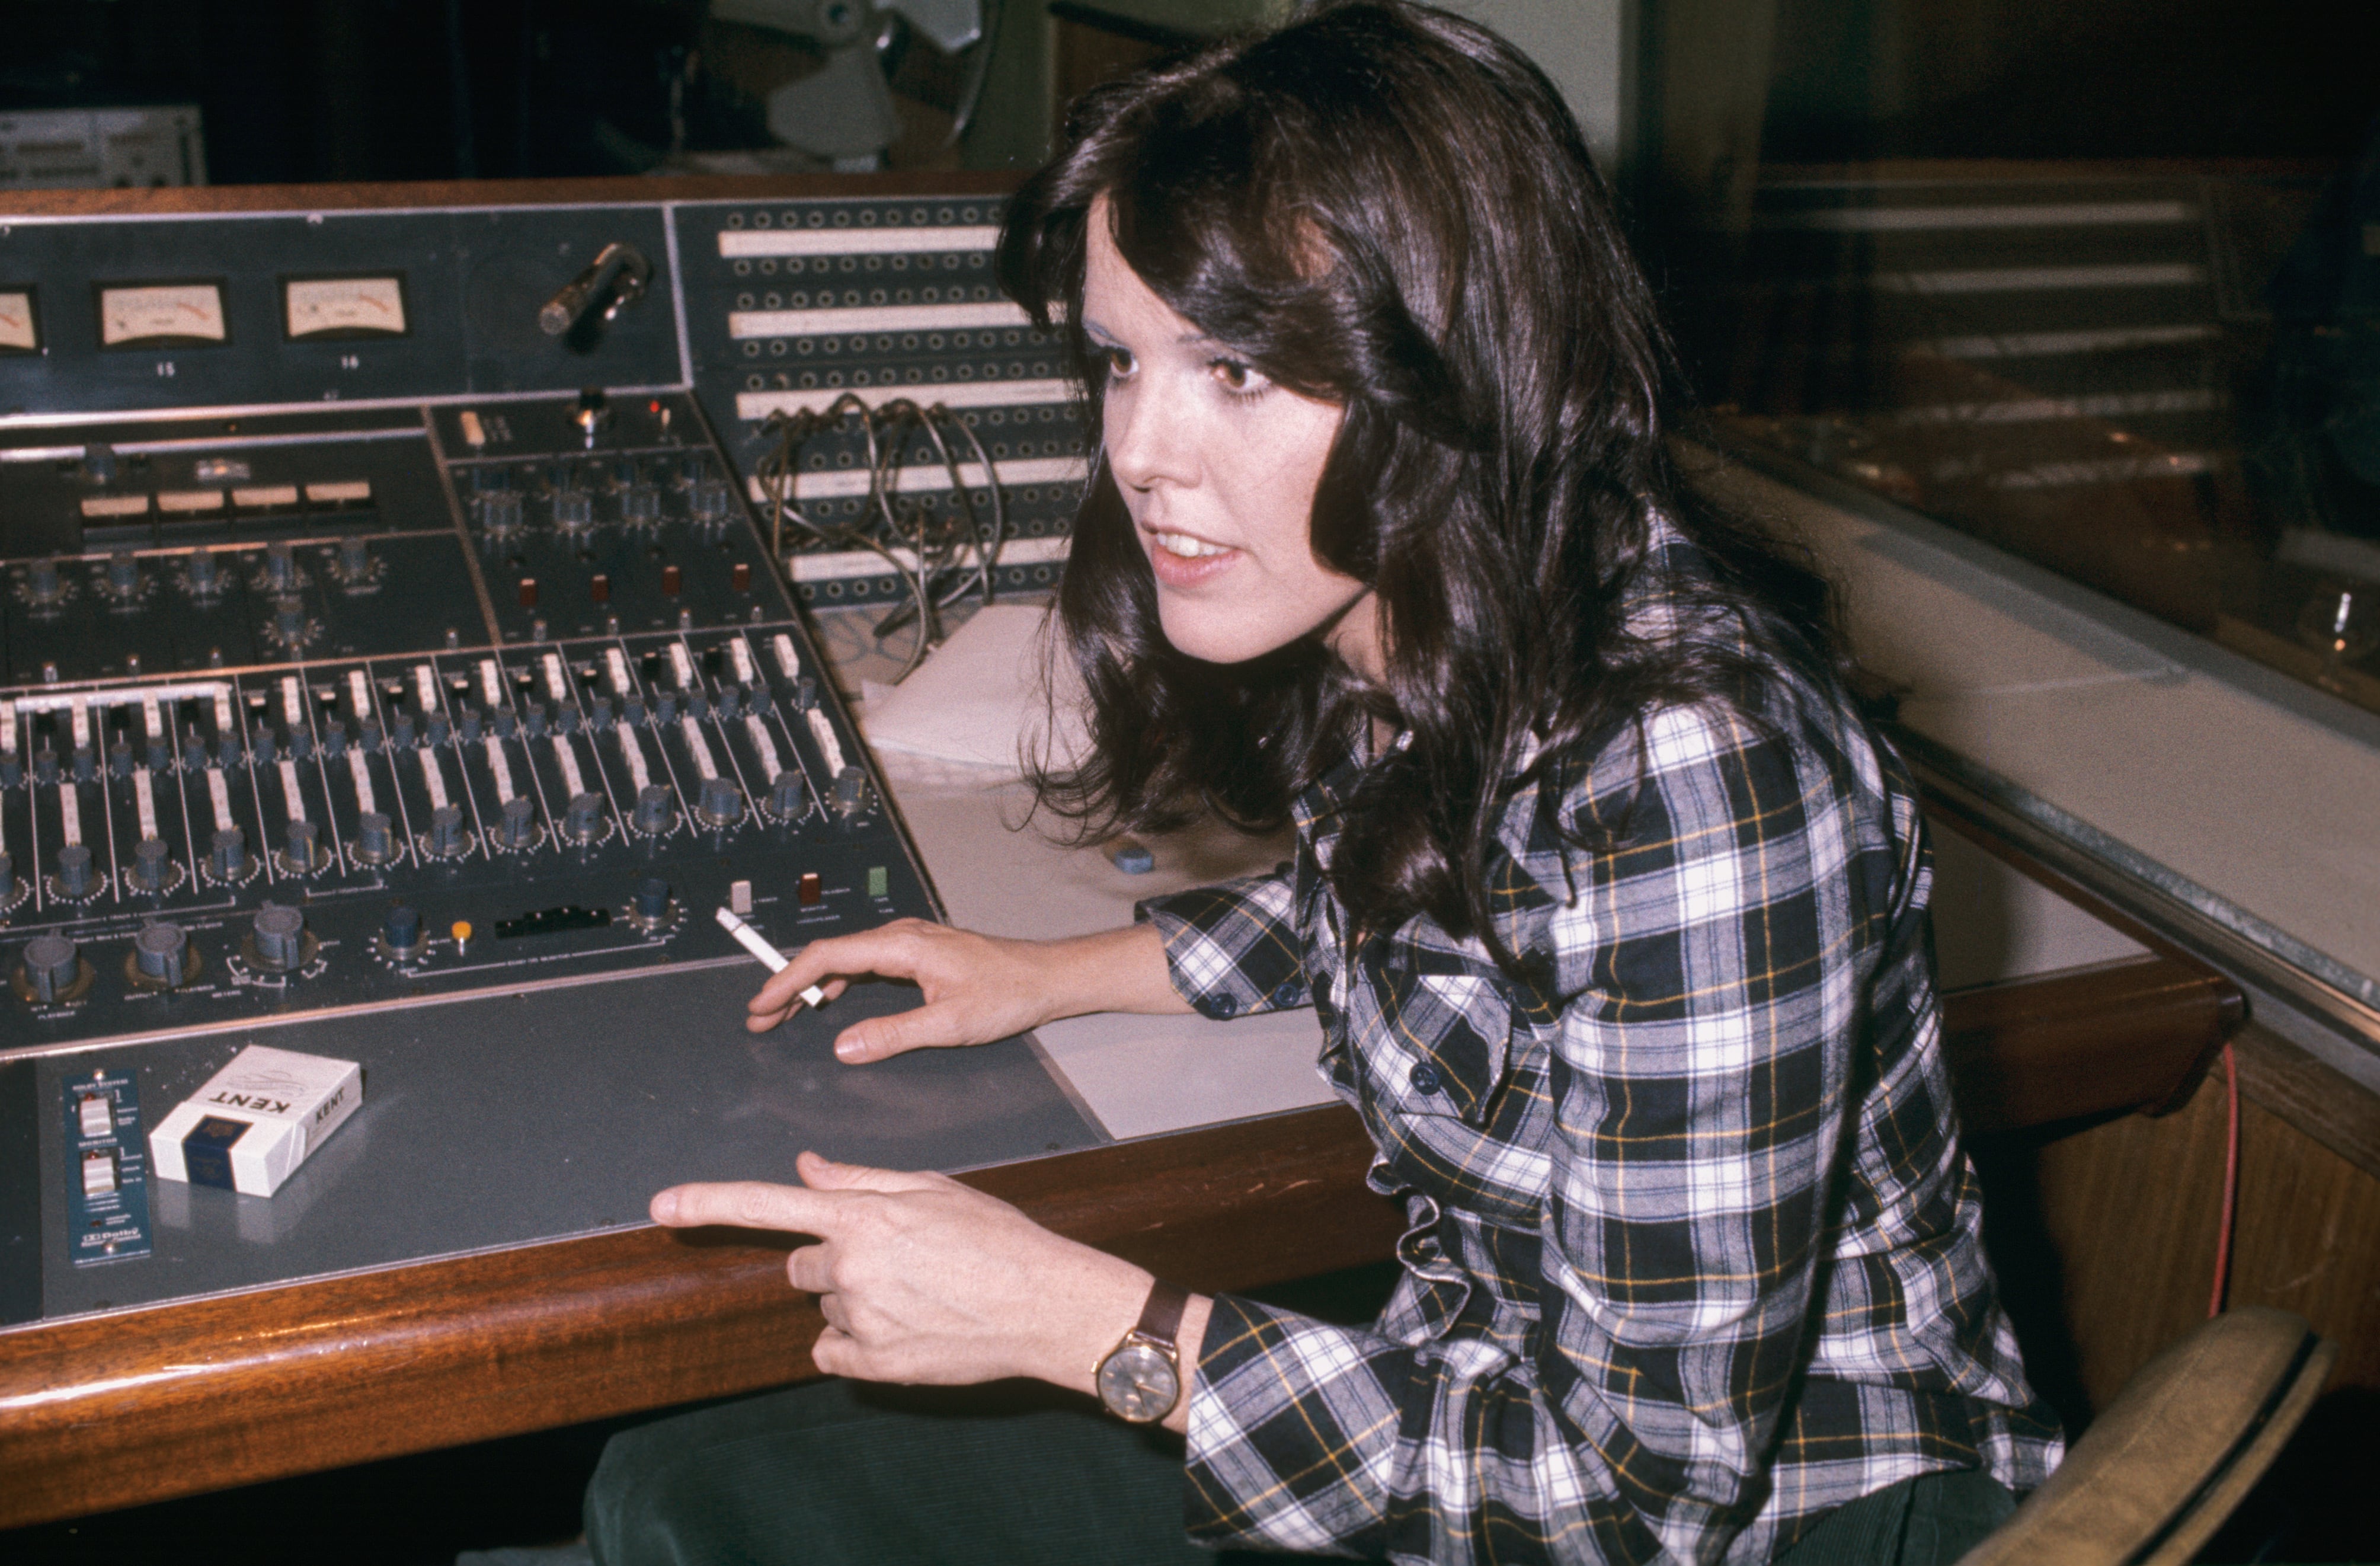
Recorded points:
98,1114
98,1173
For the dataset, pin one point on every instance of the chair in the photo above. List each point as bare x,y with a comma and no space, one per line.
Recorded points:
2158,1473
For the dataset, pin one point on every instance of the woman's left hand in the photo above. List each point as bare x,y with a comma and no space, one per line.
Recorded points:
924,1280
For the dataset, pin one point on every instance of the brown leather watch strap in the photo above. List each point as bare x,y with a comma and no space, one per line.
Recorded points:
1160,1318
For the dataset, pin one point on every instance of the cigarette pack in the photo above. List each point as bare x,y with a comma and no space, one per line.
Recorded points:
255,1120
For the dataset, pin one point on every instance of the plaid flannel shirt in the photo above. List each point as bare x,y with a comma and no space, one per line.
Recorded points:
1695,1254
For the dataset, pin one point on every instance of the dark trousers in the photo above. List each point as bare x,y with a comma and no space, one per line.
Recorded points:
842,1473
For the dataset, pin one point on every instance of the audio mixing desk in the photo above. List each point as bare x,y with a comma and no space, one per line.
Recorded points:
397,666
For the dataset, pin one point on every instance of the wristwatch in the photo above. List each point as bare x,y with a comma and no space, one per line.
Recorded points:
1140,1379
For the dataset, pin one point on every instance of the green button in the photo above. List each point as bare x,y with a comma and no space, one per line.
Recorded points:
878,883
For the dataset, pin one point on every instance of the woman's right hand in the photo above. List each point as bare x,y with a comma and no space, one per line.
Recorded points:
978,988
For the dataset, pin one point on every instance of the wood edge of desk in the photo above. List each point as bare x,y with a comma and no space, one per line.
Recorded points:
612,189
151,1405
206,1394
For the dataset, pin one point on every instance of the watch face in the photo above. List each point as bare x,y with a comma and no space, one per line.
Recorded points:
1139,1383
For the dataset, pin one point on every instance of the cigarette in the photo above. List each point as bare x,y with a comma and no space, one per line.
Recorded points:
753,941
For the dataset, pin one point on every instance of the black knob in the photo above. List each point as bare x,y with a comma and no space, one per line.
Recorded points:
403,734
467,722
805,694
850,792
228,855
151,864
51,965
279,932
367,733
280,568
721,804
506,720
788,798
533,718
335,737
7,876
160,953
46,765
447,838
500,512
376,837
652,898
124,572
203,575
665,706
305,844
599,712
229,749
288,618
710,500
517,826
160,756
402,929
640,504
573,509
44,583
436,726
355,558
656,810
74,877
86,764
731,697
12,772
119,759
583,817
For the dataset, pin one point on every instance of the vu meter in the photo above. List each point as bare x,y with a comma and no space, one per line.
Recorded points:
160,314
19,332
343,307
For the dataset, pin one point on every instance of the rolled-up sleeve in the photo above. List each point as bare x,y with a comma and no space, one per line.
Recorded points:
1695,1094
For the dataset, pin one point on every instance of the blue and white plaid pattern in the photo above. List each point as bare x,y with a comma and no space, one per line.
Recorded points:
1695,1254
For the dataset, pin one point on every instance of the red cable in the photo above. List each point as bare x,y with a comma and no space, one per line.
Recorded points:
2230,1187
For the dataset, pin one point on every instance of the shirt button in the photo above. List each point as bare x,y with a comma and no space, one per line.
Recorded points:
1224,1006
1424,1078
1287,994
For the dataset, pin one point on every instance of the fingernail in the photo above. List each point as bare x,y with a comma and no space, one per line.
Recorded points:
665,1207
848,1048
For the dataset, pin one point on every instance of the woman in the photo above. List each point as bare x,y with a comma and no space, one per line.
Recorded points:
1613,908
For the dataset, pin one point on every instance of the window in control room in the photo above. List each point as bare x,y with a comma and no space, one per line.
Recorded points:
2098,283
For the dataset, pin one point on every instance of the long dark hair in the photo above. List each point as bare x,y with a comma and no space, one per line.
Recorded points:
1391,208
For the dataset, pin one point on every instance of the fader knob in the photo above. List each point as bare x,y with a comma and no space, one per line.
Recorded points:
446,832
656,812
652,898
376,837
279,933
160,953
74,878
583,817
709,500
151,864
228,855
51,965
124,572
786,799
280,568
721,804
517,827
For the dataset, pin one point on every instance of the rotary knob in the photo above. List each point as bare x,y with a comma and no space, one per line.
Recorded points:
278,934
288,618
355,559
710,500
161,954
574,510
500,510
280,568
375,838
400,931
86,763
467,722
46,765
731,697
43,584
53,968
124,573
437,726
640,505
74,880
448,840
787,798
119,759
721,804
229,750
533,718
850,792
152,864
652,899
7,877
302,855
204,578
228,857
656,810
161,756
582,819
516,825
